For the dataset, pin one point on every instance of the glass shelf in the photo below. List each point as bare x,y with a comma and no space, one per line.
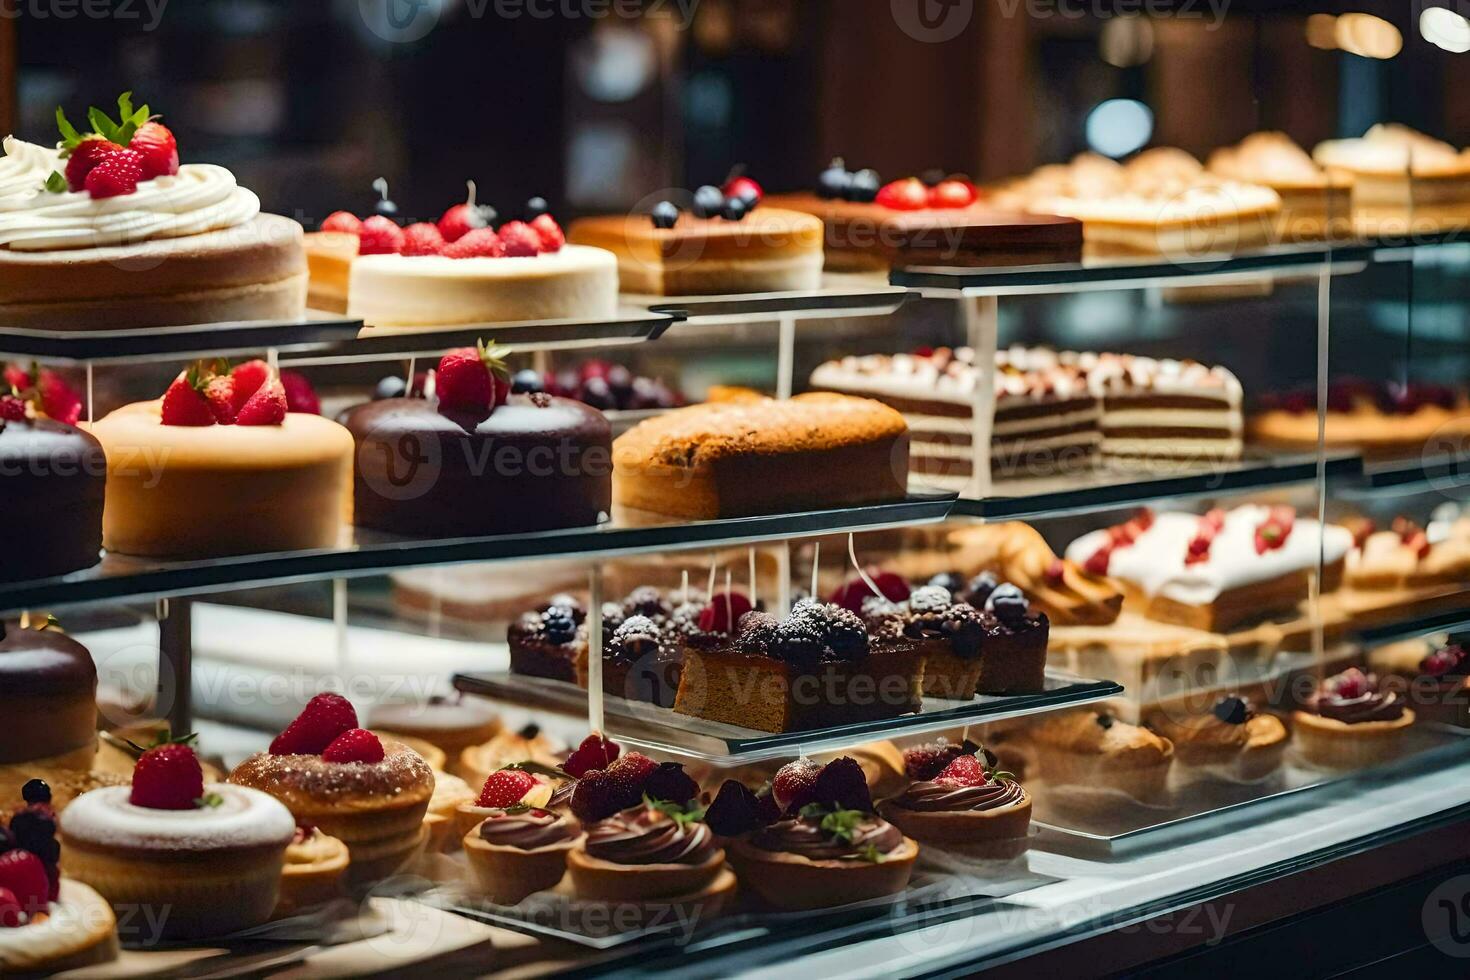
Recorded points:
363,552
663,730
182,343
839,296
1434,471
1447,621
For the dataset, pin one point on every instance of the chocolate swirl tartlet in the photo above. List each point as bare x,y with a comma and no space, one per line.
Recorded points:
654,853
518,851
1351,721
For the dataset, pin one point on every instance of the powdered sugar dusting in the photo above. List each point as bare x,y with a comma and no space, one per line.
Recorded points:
244,818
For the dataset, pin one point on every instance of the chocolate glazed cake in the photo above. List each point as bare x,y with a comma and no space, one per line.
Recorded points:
48,687
53,478
533,464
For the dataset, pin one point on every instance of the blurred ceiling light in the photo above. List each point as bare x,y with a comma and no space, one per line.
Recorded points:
616,64
1126,41
1368,37
1445,29
1322,31
1117,127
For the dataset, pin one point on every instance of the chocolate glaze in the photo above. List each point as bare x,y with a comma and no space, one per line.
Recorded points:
52,479
526,830
534,464
43,663
942,797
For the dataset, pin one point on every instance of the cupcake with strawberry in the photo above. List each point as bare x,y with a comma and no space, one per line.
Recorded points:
368,792
474,459
201,860
516,844
472,265
959,798
222,465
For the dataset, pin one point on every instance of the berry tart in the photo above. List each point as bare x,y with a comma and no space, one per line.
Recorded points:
737,459
220,466
515,843
1232,740
938,219
55,475
1379,418
726,242
828,847
202,860
1435,677
958,798
1095,749
1217,571
108,232
370,794
476,460
518,784
817,668
314,874
461,269
48,924
1351,721
647,847
48,698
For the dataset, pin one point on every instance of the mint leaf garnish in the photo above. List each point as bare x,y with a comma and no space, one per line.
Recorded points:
56,184
210,800
839,823
675,811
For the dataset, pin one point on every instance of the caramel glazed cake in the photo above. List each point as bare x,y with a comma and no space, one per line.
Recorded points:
189,247
1053,410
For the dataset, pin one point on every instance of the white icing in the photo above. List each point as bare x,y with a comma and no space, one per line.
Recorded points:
244,818
200,198
1155,561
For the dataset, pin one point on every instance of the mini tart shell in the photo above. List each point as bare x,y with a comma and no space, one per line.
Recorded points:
793,882
1339,745
450,793
507,875
313,875
963,827
594,878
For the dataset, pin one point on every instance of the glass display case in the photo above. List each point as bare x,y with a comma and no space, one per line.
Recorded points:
1059,565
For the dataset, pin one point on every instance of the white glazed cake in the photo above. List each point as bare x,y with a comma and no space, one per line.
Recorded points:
389,291
1218,570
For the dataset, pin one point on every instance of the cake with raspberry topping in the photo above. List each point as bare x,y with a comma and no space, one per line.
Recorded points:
220,466
200,860
473,459
108,231
1216,571
958,797
55,475
725,241
462,269
816,668
369,793
1352,720
1379,418
48,924
828,846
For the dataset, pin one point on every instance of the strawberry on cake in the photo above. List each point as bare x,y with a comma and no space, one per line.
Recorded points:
108,231
461,269
220,466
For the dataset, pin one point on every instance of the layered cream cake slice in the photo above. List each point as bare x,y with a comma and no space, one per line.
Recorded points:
1315,202
1165,409
1402,179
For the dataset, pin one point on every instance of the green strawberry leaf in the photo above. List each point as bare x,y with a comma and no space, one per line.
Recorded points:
210,800
56,183
537,769
69,134
678,813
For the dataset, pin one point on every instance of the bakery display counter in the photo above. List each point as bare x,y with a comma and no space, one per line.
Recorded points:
839,296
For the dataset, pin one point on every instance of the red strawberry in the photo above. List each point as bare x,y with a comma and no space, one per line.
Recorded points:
519,240
343,221
324,718
464,218
220,393
794,783
723,612
841,783
965,770
168,778
422,239
743,187
851,595
156,145
481,243
24,876
603,792
952,193
552,237
12,409
185,404
84,156
904,195
116,174
16,377
379,236
1097,562
1350,684
506,788
927,761
354,745
301,397
595,752
472,379
11,914
266,407
248,377
59,400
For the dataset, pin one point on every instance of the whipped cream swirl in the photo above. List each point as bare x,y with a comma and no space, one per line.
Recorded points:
200,198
